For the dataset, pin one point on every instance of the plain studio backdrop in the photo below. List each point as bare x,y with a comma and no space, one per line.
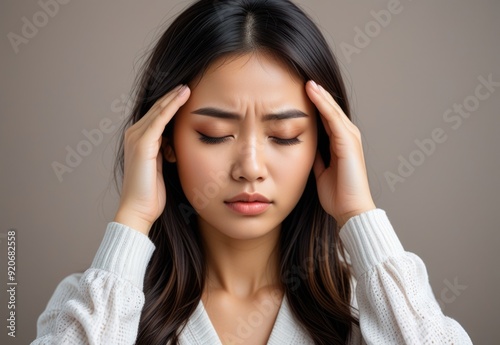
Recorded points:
423,79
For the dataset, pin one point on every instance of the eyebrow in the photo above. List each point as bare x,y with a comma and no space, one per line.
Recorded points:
222,114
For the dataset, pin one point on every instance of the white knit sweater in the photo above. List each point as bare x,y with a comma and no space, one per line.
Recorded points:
395,301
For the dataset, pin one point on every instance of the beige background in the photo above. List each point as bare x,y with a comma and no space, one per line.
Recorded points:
77,71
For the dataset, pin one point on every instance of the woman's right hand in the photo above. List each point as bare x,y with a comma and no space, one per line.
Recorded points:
143,194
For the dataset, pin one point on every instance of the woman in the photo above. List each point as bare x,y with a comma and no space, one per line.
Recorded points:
245,215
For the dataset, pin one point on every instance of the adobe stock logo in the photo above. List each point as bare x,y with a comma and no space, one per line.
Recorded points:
456,115
84,148
372,29
75,155
31,27
450,293
201,198
248,324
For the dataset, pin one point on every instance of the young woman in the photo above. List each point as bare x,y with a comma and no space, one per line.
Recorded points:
245,215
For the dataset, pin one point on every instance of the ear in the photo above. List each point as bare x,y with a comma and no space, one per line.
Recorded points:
168,150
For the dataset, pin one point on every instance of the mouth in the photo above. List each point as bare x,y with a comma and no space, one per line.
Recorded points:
245,197
248,204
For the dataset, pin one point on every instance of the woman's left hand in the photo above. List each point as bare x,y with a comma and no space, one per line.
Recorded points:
343,187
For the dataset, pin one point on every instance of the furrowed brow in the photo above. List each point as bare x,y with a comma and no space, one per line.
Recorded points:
222,114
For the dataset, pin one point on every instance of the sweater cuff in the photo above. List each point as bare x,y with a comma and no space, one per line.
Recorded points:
369,239
125,252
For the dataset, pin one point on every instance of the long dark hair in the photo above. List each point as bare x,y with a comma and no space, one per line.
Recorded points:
315,278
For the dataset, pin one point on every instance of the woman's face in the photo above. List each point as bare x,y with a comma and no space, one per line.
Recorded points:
244,144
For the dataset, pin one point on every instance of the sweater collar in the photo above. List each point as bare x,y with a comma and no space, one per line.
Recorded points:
286,330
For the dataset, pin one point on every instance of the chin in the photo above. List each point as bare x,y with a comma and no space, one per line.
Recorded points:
242,228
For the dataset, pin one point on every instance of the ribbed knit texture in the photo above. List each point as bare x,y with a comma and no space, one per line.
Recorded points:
125,252
369,248
395,301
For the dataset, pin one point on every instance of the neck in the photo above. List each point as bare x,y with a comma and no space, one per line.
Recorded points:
242,268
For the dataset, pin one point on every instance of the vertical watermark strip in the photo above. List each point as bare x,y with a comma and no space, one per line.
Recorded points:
11,282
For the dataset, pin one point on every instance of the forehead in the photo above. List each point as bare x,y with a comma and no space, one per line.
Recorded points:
255,79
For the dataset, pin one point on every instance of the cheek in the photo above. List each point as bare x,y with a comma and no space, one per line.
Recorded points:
201,175
291,170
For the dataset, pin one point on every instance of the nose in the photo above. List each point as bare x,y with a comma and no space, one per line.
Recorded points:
250,162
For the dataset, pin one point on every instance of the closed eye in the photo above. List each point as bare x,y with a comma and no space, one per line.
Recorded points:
218,140
212,140
281,141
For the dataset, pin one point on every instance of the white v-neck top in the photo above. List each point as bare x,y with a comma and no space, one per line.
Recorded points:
396,303
286,329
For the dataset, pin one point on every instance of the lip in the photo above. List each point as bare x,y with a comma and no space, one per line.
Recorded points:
248,204
246,197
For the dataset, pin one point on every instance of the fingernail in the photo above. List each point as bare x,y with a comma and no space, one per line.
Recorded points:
315,86
183,90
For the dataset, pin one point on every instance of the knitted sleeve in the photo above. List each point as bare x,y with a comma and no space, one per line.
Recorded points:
103,305
395,300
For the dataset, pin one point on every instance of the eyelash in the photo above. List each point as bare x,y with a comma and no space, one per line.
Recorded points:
212,140
219,140
286,142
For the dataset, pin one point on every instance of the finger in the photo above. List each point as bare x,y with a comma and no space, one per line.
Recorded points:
146,121
347,121
168,97
329,98
157,123
323,120
325,125
157,106
328,109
